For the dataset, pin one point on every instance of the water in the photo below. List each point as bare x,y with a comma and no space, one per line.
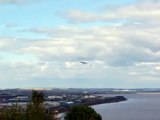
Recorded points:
137,107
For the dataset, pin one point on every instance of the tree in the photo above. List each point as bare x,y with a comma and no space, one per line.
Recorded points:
35,109
15,112
82,112
37,98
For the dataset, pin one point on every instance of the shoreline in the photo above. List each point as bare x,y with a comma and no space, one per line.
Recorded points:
114,99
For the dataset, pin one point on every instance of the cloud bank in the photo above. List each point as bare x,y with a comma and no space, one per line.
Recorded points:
125,52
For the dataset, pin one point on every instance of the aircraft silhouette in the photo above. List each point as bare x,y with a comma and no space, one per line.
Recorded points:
83,62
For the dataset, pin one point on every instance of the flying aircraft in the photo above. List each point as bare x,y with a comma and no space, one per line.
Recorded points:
83,62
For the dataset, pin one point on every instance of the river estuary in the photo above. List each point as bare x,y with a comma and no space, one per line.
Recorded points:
137,107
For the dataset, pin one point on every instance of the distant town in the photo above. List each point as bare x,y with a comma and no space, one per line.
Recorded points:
63,99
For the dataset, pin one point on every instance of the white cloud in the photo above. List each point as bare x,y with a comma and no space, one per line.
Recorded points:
148,11
116,48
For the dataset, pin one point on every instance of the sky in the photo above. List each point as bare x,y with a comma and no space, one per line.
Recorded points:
79,43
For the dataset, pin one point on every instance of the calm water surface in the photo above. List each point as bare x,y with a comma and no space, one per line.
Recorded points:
137,107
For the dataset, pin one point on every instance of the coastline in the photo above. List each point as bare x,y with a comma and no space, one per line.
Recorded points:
114,99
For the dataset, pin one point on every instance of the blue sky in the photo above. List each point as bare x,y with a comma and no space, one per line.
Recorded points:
42,43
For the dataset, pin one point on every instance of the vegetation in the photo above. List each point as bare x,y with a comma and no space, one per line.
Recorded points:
82,112
13,113
34,111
